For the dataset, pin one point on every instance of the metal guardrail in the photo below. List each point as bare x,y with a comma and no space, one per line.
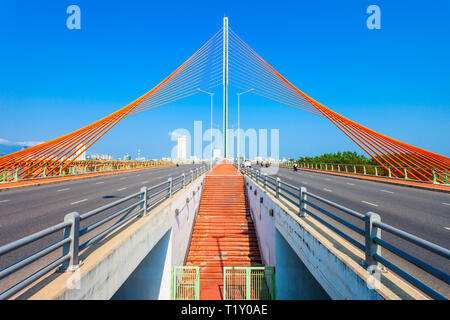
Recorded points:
12,175
70,242
373,243
436,176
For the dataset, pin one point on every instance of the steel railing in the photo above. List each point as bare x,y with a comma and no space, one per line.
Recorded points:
12,175
148,198
371,232
436,176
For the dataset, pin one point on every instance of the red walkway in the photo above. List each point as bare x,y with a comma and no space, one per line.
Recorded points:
223,234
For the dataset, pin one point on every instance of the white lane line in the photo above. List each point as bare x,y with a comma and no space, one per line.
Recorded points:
144,181
304,182
327,190
65,189
100,182
79,201
447,228
445,203
3,201
138,175
352,184
372,204
386,191
122,178
121,189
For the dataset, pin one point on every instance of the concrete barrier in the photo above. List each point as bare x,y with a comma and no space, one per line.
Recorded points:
333,262
108,267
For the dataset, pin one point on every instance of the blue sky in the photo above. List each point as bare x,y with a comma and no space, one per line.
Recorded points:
395,80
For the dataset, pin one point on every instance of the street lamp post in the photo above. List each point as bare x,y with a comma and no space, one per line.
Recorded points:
211,94
239,131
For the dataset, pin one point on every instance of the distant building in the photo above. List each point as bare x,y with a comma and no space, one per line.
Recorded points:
127,157
217,154
182,140
101,157
80,154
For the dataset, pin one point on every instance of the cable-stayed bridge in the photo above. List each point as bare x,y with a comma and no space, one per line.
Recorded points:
226,232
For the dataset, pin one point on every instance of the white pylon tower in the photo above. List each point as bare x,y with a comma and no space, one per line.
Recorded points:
225,85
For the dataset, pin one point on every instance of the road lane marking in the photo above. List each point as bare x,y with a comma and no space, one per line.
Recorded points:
447,228
65,189
352,184
138,175
304,182
121,189
3,201
79,201
122,178
386,191
327,190
372,204
144,181
100,182
447,204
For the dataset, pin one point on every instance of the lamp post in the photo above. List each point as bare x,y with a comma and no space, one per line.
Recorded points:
239,131
211,94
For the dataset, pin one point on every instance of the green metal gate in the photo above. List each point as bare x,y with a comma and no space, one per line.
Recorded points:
185,283
248,283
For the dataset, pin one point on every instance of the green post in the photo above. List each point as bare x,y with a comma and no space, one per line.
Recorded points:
45,172
365,172
60,170
354,169
434,177
346,168
406,173
376,172
248,283
339,168
15,175
389,173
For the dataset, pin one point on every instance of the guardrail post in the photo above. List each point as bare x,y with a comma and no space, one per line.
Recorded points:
183,181
45,172
302,198
389,173
278,188
72,247
144,204
365,170
406,173
346,168
15,175
434,177
354,169
372,232
170,187
376,172
192,175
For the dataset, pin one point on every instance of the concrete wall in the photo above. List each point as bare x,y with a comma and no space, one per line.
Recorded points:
126,263
340,278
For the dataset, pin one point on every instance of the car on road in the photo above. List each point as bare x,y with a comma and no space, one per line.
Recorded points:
247,164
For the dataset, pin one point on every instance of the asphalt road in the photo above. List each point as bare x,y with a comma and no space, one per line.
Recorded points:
24,211
423,213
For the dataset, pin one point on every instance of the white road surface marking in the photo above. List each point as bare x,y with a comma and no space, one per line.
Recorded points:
447,204
327,190
122,178
65,189
121,189
372,204
386,191
79,201
3,201
352,184
447,228
100,182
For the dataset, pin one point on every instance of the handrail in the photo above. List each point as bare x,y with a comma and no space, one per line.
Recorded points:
72,232
371,232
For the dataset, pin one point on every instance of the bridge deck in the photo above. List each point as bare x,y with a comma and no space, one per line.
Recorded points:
224,234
